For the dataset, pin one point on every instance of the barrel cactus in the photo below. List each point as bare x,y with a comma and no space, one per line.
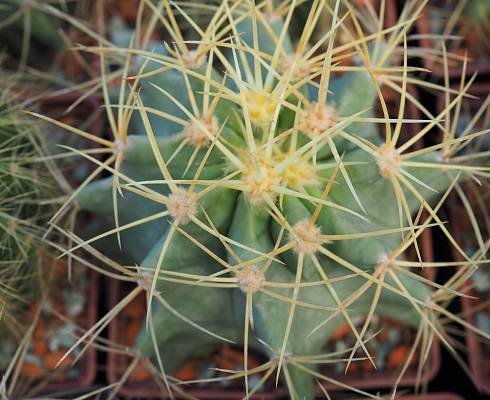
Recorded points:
254,194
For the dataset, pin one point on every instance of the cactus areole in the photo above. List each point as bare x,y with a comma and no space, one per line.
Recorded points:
264,206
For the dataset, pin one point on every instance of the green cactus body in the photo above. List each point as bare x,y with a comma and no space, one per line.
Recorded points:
261,209
24,23
27,188
477,11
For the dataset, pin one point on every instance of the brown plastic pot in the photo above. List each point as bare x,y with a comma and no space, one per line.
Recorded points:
478,349
432,22
428,396
33,378
87,365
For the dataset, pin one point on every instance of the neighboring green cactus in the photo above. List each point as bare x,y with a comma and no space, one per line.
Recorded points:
28,32
25,184
36,289
478,11
259,207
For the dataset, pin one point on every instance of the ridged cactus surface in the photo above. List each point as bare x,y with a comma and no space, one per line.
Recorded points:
260,198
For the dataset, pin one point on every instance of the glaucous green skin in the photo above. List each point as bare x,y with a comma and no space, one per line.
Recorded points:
245,224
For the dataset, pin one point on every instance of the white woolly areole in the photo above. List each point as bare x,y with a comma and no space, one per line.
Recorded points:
301,69
251,280
385,262
120,146
180,206
317,119
196,134
192,59
388,169
307,237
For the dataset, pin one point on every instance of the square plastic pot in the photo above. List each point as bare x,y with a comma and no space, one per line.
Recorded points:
71,311
428,396
476,308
